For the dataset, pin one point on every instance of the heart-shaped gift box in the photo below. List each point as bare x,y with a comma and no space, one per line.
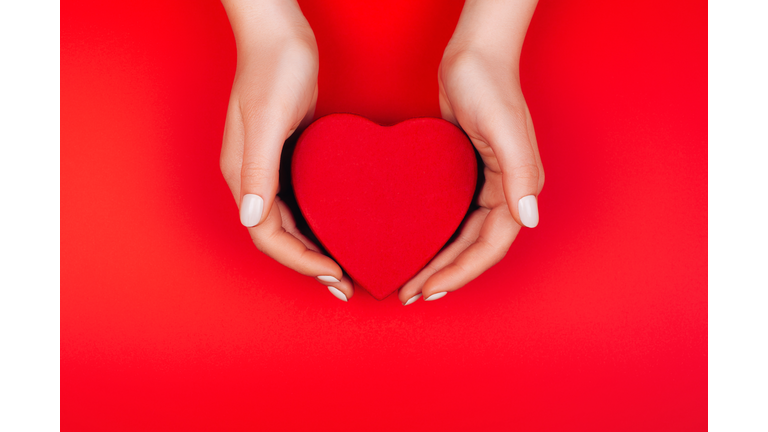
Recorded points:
383,200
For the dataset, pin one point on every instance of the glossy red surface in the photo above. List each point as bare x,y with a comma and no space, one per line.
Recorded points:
595,320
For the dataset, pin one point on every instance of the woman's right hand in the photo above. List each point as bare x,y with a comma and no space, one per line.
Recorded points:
274,93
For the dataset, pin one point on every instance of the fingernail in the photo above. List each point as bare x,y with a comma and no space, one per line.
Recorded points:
338,294
529,211
329,279
250,210
436,296
412,299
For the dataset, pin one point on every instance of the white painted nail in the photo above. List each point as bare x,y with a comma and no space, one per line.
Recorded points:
338,294
329,279
529,211
250,210
436,296
412,299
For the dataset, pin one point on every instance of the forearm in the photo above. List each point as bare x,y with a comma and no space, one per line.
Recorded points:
494,27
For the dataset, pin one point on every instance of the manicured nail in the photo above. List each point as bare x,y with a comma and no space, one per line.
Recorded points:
436,296
250,210
338,294
529,211
329,279
412,299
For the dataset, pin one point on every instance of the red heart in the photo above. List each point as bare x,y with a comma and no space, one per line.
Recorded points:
383,200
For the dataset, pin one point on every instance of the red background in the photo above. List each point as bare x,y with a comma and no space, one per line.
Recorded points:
596,319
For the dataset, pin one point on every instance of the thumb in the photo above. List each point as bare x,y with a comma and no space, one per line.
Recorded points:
260,171
513,143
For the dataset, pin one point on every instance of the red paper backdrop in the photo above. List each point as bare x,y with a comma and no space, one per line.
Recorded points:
596,319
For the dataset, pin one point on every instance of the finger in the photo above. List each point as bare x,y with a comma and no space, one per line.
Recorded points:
411,291
495,237
231,158
446,110
344,289
264,136
508,135
271,238
535,145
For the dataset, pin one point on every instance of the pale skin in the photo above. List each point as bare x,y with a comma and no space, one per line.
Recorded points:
275,92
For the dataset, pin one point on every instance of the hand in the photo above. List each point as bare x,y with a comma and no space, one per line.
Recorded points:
480,92
274,93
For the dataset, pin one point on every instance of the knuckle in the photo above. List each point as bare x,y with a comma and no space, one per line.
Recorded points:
303,262
498,256
503,118
230,170
262,239
254,108
541,180
461,268
254,173
276,113
258,242
527,172
226,170
495,252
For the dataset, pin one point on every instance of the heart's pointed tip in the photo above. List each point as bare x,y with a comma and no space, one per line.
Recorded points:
376,292
380,295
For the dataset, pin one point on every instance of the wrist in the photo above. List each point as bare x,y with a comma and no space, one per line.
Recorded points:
259,25
476,54
491,29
